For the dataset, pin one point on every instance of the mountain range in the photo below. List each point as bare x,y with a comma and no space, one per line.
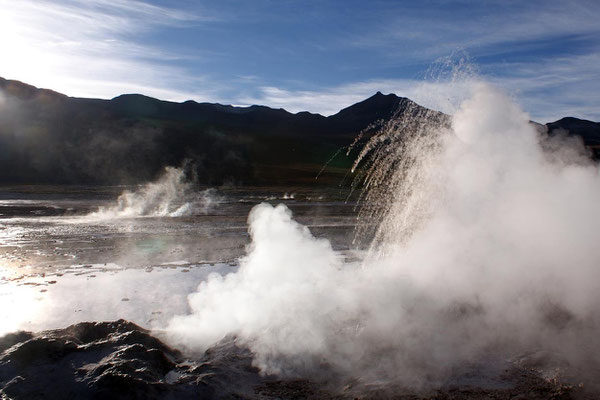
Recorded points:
47,137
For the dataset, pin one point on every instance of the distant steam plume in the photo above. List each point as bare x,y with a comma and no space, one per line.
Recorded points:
159,199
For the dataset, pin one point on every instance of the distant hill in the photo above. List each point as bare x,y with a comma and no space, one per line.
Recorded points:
47,137
589,131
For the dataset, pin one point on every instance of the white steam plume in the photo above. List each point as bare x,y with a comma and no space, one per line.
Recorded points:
157,199
501,258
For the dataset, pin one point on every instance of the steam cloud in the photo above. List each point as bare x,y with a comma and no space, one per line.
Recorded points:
501,259
157,199
171,195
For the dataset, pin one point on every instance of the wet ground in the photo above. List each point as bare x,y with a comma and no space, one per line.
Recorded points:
62,262
67,257
54,230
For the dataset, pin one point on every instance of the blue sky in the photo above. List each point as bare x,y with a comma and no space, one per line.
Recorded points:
305,55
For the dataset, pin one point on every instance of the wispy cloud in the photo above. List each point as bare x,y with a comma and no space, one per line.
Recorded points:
411,33
325,101
545,53
550,89
92,48
330,100
555,87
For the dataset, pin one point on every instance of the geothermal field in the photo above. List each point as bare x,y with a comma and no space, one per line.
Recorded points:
279,228
465,264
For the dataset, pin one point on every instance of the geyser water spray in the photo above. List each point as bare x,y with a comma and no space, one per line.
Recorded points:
485,248
161,198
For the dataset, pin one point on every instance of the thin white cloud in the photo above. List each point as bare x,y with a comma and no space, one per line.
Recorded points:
556,87
87,48
549,90
330,100
160,15
408,34
99,48
324,101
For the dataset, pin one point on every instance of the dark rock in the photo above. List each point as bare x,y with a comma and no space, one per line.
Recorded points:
13,338
120,360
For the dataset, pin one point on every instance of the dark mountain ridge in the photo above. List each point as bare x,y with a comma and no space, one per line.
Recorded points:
47,137
589,131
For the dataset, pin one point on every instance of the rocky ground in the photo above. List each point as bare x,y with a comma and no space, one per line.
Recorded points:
120,360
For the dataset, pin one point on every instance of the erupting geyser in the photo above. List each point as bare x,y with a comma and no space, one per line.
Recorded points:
156,199
485,248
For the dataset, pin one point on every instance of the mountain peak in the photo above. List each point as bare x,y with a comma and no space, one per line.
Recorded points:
378,103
